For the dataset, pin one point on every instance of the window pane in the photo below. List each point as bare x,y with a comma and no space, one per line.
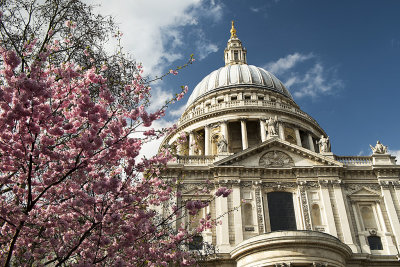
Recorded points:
375,243
281,211
197,243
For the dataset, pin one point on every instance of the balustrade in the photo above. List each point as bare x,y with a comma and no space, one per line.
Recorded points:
195,160
237,103
354,160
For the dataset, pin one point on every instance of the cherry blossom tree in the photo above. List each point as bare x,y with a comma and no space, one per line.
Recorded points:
72,188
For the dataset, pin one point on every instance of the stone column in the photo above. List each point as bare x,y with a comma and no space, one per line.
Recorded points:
281,131
224,129
298,138
221,213
310,141
207,140
245,143
391,210
237,214
328,208
262,129
191,143
344,219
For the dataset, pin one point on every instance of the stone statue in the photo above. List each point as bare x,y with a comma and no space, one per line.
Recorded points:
222,144
379,148
324,144
271,125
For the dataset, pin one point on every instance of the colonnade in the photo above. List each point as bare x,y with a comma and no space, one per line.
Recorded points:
244,135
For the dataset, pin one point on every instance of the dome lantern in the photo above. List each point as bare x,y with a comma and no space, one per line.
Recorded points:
234,52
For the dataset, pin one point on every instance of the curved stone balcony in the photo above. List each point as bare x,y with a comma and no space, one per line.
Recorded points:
200,112
292,248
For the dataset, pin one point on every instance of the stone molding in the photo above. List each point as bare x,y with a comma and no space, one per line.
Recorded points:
267,249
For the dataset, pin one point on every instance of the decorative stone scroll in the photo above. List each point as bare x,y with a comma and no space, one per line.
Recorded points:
304,205
279,185
276,159
259,210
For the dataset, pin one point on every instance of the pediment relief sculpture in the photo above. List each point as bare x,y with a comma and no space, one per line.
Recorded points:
274,159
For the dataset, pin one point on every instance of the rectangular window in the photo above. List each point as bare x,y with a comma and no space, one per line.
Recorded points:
375,243
197,243
281,211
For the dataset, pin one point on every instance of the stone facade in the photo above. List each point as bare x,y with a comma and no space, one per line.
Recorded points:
293,202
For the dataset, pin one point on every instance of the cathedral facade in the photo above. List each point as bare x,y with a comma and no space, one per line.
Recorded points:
293,202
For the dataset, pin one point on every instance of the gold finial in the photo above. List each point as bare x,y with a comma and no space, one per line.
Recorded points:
233,30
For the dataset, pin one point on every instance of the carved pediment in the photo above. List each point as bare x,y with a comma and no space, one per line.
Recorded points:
365,192
276,153
276,159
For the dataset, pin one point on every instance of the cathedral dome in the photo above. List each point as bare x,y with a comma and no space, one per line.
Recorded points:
238,75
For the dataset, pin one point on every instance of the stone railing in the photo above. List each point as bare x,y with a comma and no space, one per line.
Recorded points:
354,160
241,103
194,160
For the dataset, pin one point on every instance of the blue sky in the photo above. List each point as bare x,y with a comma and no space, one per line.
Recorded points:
339,59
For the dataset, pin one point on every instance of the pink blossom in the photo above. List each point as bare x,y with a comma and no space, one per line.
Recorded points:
223,191
174,72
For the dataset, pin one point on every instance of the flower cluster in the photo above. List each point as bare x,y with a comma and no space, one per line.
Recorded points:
73,189
223,191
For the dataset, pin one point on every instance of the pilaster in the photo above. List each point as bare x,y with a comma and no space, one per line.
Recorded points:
391,210
328,208
344,219
237,214
221,210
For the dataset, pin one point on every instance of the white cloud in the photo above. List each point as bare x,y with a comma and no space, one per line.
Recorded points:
304,80
203,46
158,97
286,63
395,153
177,112
153,29
255,9
316,81
150,149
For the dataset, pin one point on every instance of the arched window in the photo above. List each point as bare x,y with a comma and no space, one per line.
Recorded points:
281,211
316,215
368,217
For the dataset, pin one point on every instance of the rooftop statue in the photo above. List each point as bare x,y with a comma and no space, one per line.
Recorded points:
324,144
379,148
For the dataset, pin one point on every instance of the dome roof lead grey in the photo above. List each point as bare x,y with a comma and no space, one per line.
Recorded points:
237,73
